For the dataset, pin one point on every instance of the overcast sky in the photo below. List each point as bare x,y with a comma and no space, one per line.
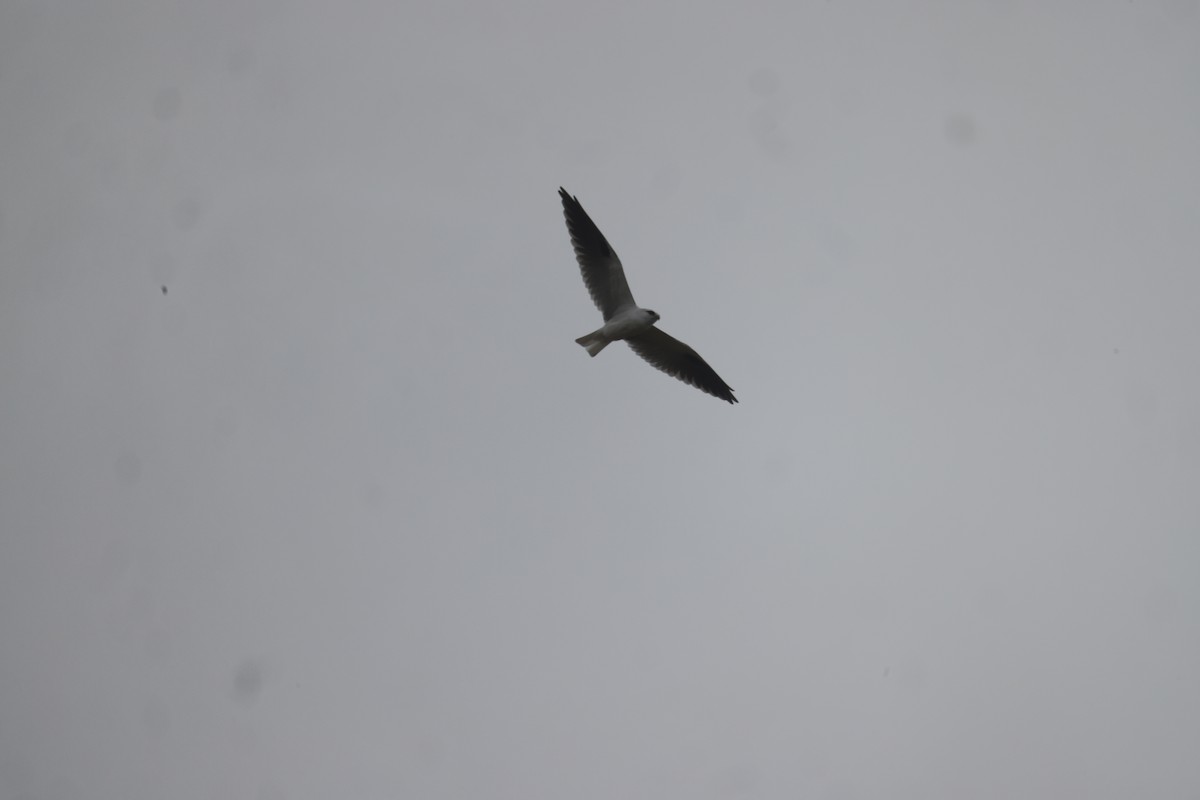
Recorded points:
306,491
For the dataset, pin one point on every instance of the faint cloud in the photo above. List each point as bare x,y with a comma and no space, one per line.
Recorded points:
1187,441
156,718
166,103
590,153
19,774
666,179
1161,604
767,127
766,121
373,495
1181,10
763,82
77,139
247,682
186,213
240,60
128,468
430,751
225,423
270,791
960,129
912,678
162,269
779,463
1141,403
738,781
159,644
276,96
115,560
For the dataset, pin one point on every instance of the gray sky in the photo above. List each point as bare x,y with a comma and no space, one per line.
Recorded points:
347,513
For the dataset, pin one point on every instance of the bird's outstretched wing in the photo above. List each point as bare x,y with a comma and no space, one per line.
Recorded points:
678,360
602,271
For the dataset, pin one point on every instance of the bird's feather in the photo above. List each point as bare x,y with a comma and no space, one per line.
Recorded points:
602,271
665,352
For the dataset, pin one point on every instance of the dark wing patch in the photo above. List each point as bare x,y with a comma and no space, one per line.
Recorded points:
675,358
602,271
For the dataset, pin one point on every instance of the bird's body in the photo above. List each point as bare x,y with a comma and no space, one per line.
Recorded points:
604,277
625,324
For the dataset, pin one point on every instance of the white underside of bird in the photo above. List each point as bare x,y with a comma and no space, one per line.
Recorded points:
625,324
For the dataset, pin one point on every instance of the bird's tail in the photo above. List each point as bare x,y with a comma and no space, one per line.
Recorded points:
594,342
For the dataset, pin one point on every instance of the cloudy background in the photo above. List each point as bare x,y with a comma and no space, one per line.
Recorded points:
307,492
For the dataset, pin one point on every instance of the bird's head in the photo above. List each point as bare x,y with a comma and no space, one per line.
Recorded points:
653,316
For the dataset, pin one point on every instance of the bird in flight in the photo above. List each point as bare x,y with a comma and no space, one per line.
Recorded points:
605,280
